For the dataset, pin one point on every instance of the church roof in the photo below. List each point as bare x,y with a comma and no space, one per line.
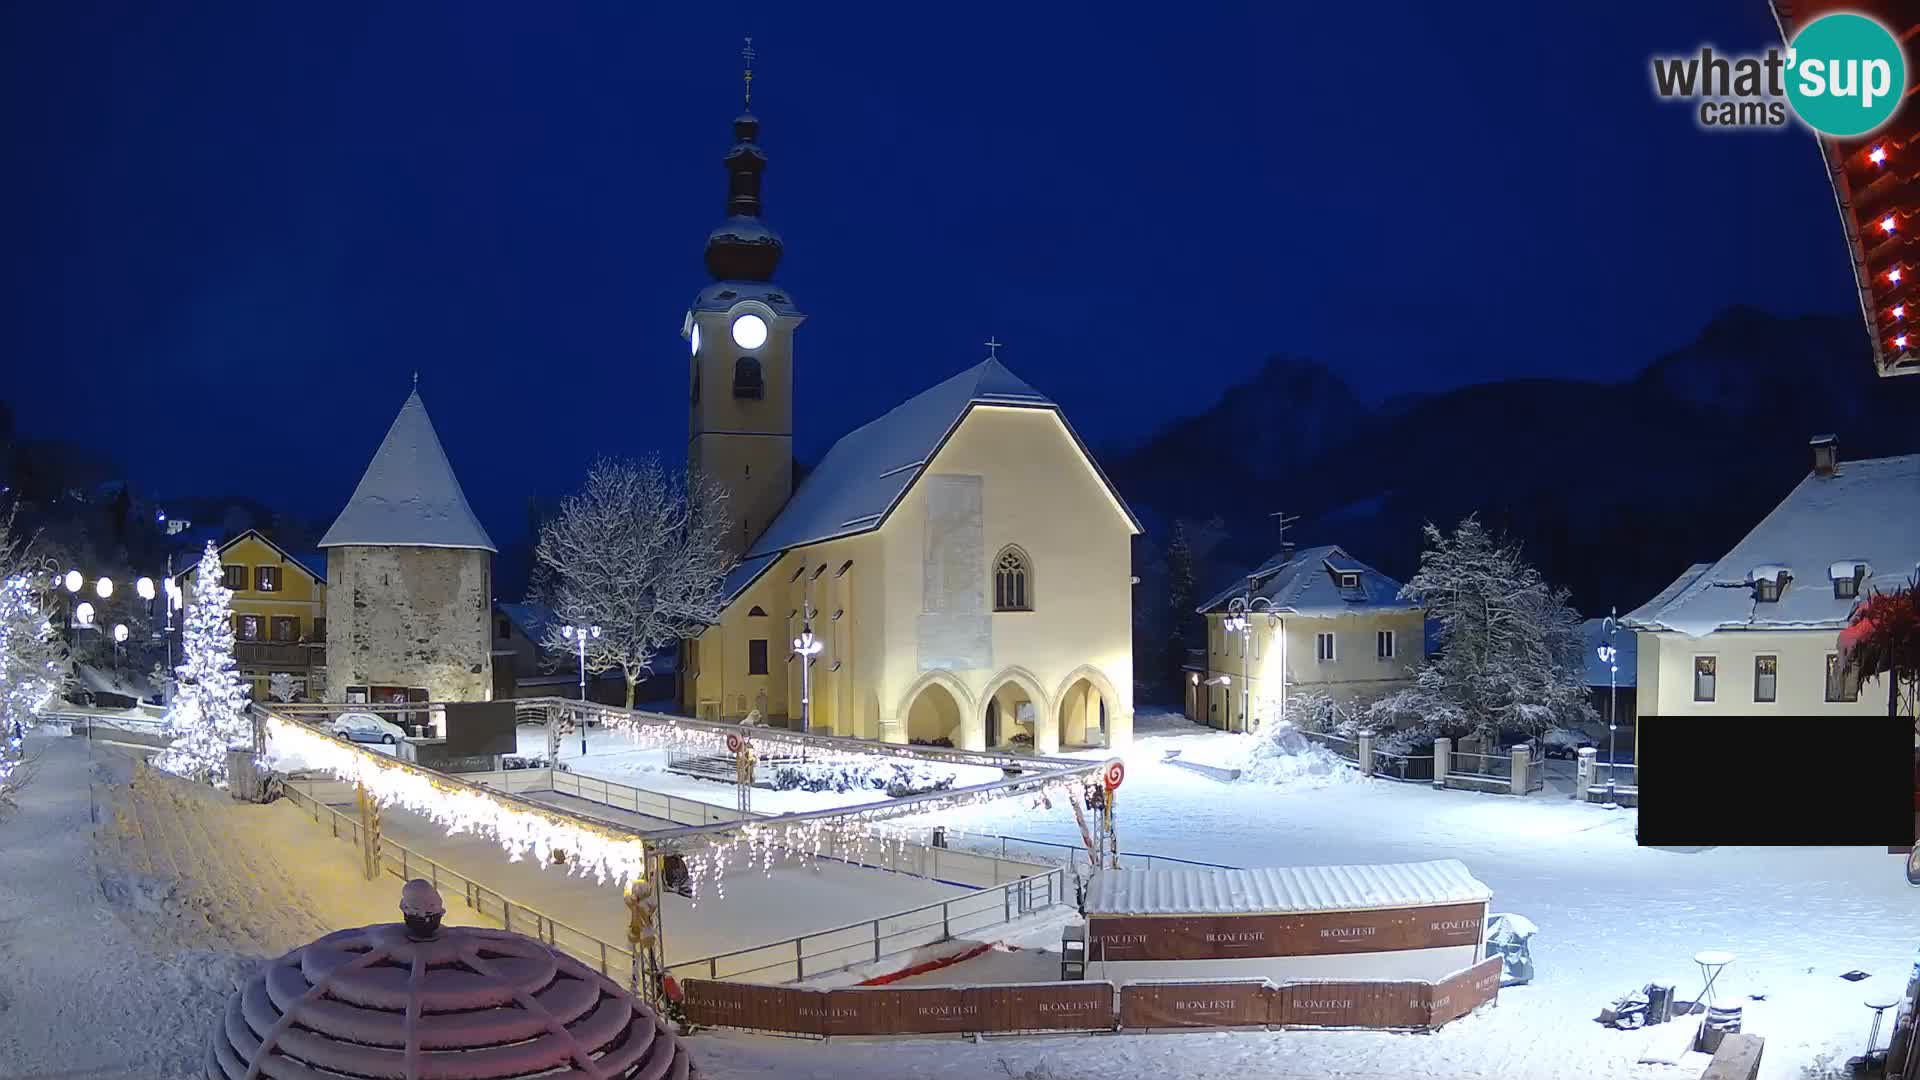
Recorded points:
409,496
866,474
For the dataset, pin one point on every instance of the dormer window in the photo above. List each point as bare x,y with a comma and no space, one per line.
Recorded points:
1349,581
1769,582
1847,577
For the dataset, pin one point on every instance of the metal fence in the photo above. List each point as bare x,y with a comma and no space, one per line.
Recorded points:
616,962
1346,748
1485,770
1403,766
1054,851
1624,777
872,940
1536,773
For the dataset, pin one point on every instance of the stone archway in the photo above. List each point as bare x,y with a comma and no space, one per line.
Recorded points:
1088,712
1023,708
937,706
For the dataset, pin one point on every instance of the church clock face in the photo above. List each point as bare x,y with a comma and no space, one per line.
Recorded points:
749,331
694,339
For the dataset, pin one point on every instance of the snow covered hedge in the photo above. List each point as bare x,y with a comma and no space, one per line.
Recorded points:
896,778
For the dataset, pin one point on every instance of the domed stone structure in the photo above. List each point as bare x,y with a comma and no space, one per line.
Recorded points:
416,1000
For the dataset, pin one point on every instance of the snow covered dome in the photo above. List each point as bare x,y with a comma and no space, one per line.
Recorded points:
415,1000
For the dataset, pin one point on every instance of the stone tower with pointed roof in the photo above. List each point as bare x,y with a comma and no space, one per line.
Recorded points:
411,578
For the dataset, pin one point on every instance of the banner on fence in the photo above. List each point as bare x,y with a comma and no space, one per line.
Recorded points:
1319,933
1352,1004
1089,1006
1461,993
1237,1003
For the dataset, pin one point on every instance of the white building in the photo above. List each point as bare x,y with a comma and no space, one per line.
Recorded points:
1758,631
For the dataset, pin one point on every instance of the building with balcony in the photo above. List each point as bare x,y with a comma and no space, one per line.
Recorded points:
279,614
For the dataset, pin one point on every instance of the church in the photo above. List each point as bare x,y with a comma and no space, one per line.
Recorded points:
955,572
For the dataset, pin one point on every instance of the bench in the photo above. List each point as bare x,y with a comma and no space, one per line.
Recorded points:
1737,1059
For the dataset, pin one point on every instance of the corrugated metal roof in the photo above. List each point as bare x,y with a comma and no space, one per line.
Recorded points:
1284,889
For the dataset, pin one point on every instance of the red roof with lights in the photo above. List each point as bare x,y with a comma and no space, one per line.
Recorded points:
1876,179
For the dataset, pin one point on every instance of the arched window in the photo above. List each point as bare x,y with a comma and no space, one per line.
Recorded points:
1012,581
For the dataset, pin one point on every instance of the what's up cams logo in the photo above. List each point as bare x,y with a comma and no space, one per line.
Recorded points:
1843,75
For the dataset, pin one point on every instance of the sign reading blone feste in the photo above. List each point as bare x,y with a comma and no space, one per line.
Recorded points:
1243,1003
1320,933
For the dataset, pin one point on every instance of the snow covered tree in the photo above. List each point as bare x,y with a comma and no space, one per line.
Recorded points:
33,661
1510,646
208,712
639,553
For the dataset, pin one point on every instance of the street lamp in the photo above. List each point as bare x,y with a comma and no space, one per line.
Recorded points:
83,614
104,587
1237,621
579,635
806,647
1610,657
74,581
144,588
119,639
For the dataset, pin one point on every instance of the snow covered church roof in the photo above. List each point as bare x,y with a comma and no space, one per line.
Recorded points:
409,496
1310,582
1194,891
1864,513
866,474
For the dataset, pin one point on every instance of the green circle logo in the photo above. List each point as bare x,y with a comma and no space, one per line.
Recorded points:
1845,74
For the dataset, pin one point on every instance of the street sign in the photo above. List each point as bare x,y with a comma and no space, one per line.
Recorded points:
1115,771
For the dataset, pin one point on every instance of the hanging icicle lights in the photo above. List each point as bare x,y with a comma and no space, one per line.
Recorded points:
606,854
877,834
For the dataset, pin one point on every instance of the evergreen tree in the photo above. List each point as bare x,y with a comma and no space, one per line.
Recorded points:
1180,600
1510,646
208,711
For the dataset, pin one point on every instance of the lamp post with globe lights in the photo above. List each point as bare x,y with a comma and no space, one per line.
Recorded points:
580,635
1238,620
806,647
1610,656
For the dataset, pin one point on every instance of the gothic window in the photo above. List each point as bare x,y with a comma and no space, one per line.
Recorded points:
747,382
1012,581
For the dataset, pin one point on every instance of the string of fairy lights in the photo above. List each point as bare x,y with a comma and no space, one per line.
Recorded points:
869,833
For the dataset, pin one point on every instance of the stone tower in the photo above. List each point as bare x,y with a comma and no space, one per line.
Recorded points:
740,330
410,577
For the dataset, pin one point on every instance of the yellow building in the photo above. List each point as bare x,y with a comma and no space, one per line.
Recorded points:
960,564
1317,620
279,613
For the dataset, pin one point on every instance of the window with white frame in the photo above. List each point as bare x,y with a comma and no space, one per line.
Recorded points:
1842,685
1383,644
1705,673
1323,648
1766,678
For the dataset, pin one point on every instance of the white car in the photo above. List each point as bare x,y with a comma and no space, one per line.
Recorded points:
366,727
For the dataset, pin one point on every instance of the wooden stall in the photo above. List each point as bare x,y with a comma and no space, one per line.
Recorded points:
1412,922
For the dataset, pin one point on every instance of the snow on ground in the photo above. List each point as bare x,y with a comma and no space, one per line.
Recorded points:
1275,755
154,922
615,755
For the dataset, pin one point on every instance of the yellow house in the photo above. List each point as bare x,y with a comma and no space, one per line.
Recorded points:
957,570
1758,631
279,613
1317,620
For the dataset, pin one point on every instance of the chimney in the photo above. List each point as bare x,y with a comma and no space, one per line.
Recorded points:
1286,552
1826,454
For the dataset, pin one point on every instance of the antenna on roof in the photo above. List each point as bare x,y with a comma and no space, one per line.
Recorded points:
993,347
747,54
1282,520
416,380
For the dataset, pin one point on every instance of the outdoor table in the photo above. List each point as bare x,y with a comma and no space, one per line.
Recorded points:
1879,1005
1712,962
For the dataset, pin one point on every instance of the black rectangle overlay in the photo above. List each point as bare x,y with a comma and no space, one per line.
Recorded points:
1775,781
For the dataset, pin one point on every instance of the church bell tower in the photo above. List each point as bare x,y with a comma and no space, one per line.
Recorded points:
740,332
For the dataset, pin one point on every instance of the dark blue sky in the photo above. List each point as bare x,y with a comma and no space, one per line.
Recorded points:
259,219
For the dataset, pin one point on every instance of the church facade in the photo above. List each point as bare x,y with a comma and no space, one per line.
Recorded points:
956,571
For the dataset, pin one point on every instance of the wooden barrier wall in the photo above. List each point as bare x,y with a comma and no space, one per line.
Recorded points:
1320,933
1091,1006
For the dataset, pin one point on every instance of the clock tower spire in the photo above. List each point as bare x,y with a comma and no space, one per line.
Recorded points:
740,331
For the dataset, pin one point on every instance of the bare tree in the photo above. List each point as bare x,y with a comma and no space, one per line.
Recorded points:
639,553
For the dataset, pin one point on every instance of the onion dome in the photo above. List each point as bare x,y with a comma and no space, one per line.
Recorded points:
743,248
414,1000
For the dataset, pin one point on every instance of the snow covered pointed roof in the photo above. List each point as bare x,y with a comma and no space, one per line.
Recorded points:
409,496
865,474
1308,583
1286,889
1866,512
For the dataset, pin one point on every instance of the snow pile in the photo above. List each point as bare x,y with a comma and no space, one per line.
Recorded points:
896,778
1278,755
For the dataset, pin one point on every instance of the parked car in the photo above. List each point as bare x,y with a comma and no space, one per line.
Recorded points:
366,727
1564,743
